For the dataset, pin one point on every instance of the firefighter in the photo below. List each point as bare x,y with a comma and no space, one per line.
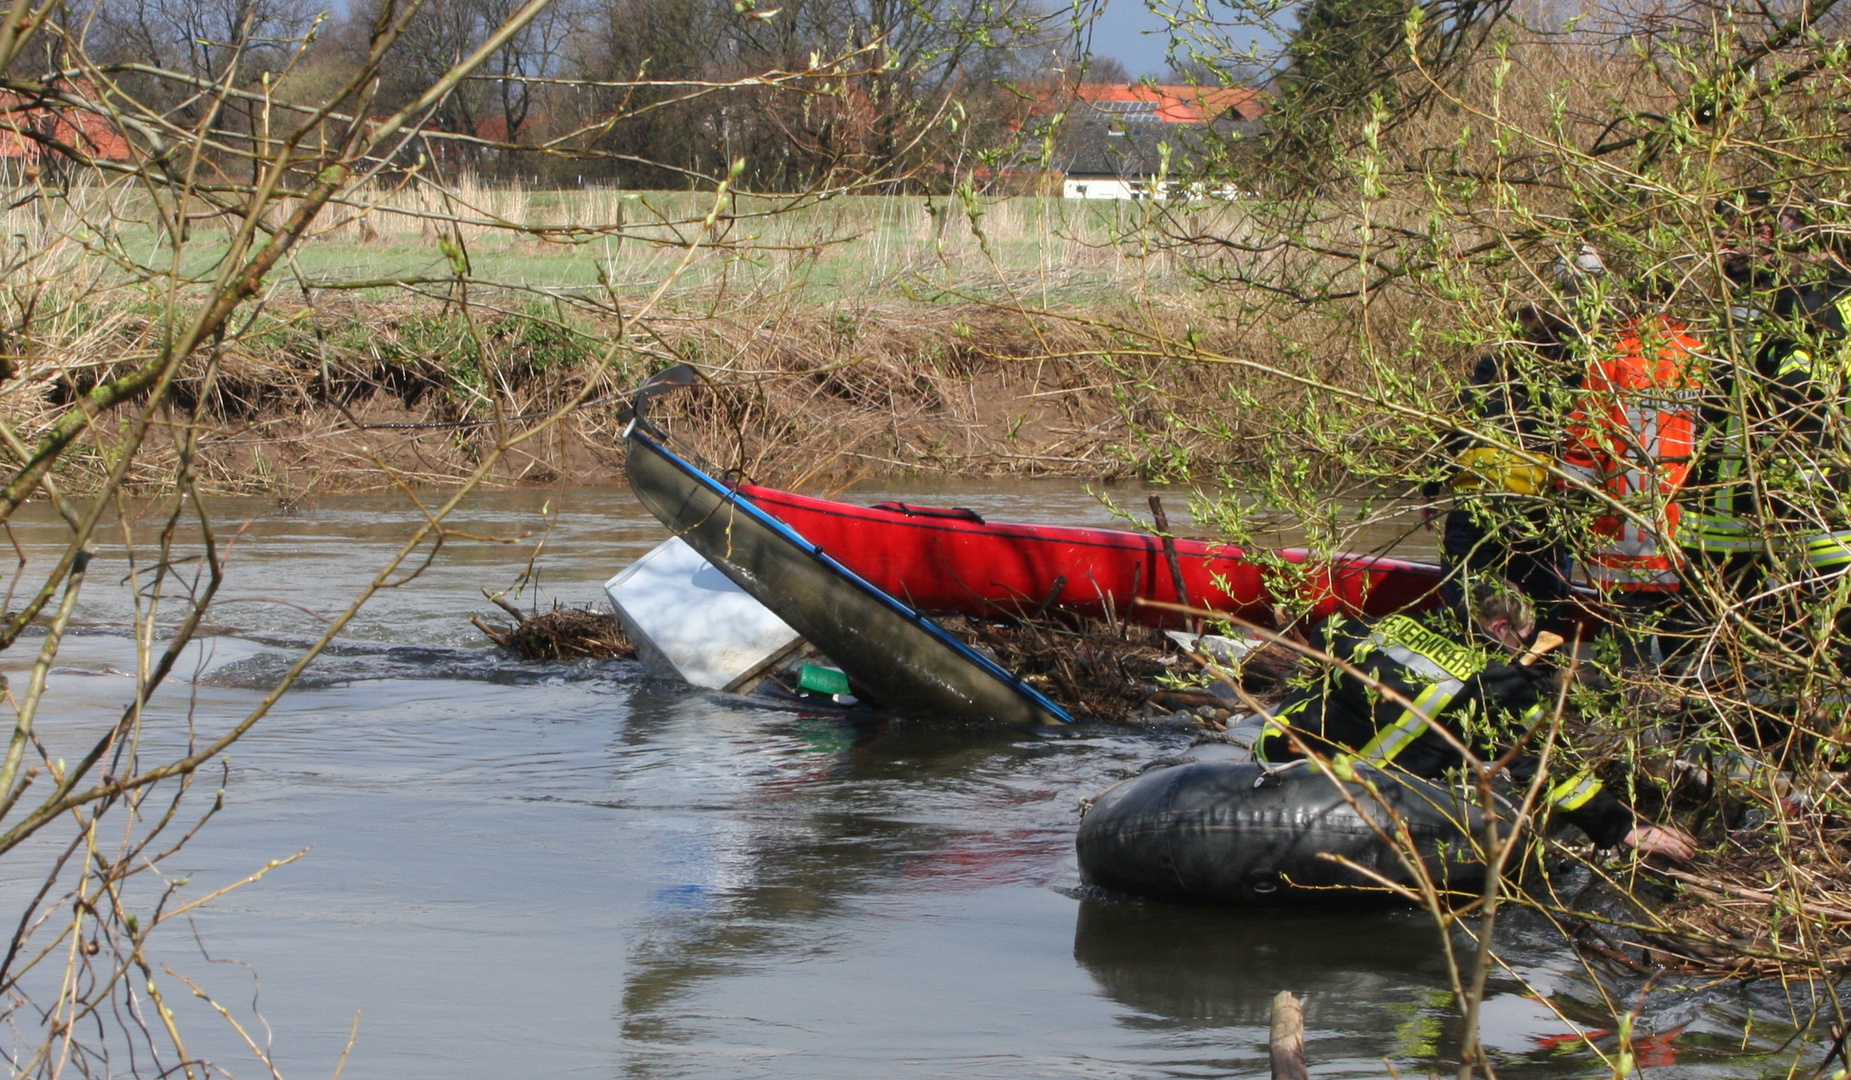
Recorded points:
1464,681
1772,471
1806,359
1500,525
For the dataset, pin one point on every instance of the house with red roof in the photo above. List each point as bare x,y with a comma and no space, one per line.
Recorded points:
1172,104
1112,138
33,129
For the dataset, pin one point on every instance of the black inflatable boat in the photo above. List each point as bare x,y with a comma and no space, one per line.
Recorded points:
1216,827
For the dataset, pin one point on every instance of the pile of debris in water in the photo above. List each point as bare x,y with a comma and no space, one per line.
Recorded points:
1768,893
1127,674
1131,673
563,633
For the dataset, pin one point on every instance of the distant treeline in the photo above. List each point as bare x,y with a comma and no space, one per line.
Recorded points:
639,93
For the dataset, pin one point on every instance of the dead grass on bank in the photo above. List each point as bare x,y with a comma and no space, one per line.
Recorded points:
356,395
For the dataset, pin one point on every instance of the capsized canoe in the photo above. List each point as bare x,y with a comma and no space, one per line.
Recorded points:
902,658
953,560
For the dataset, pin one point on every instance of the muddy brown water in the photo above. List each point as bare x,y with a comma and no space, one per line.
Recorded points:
575,869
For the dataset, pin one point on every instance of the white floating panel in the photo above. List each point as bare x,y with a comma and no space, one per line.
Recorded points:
685,616
1222,650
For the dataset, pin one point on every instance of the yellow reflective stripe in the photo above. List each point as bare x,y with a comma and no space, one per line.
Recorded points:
1733,461
1714,525
1722,523
1491,467
1830,550
1574,792
1797,360
1274,727
1432,646
1411,725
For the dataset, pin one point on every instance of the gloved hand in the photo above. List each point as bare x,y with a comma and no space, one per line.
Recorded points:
1514,686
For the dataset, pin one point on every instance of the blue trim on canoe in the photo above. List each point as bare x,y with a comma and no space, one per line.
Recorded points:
752,511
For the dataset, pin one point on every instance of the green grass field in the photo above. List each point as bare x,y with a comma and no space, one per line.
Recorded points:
851,247
858,248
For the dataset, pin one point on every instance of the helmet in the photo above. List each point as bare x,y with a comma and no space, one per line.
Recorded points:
1575,272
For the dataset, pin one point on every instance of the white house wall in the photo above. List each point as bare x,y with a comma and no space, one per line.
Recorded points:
1141,189
1103,189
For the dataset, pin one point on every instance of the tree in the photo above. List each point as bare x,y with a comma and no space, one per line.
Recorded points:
235,42
1344,59
497,103
1103,69
896,70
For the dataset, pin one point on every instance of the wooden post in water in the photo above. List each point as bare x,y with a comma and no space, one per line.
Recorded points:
1288,1038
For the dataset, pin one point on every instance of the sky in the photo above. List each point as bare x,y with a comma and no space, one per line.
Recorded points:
1127,30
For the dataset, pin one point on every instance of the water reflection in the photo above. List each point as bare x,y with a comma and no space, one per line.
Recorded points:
1176,964
829,814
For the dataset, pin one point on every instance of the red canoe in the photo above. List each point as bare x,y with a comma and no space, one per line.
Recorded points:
953,560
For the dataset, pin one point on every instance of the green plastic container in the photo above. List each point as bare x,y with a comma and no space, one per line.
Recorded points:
822,680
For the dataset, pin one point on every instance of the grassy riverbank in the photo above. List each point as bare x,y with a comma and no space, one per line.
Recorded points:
845,336
596,244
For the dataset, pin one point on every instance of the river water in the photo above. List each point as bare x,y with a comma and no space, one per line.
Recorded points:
573,869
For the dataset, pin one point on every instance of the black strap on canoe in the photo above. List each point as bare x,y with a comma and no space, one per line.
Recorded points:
956,513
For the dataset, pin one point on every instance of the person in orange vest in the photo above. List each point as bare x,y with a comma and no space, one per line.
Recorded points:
1630,442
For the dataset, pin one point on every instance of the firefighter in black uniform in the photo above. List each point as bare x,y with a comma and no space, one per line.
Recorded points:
1772,459
1465,682
1503,524
1808,366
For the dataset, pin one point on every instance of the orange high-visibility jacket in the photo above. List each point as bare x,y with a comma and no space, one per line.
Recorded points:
1634,433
